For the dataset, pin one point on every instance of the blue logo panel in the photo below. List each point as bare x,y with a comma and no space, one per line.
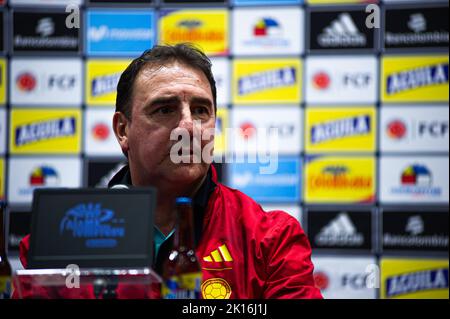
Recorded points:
283,186
119,33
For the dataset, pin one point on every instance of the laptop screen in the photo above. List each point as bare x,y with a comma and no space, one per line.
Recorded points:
110,228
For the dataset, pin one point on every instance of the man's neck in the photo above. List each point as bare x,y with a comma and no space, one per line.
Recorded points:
165,215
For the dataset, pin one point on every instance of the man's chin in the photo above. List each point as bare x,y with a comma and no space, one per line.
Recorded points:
188,172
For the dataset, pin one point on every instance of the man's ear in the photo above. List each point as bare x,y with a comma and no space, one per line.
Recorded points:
120,127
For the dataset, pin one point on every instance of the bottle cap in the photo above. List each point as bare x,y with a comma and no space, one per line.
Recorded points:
183,200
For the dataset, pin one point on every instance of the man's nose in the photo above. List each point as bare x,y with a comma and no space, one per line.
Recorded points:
186,120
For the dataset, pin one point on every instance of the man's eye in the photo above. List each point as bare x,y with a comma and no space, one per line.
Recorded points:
200,110
164,110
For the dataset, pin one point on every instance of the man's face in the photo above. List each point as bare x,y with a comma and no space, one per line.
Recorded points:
165,99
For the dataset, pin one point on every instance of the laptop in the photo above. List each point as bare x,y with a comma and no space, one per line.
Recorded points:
92,228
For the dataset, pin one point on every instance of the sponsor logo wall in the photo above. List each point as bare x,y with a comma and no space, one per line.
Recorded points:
2,33
421,128
3,81
208,28
340,129
2,178
99,136
421,179
339,30
49,81
31,173
266,128
347,79
281,187
361,113
340,229
293,210
3,131
340,179
43,32
414,79
220,137
101,81
116,33
268,31
346,277
425,230
414,278
45,131
415,27
265,81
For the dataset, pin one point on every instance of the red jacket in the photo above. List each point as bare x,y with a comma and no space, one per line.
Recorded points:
245,252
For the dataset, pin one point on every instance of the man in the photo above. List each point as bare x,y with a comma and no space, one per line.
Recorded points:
166,92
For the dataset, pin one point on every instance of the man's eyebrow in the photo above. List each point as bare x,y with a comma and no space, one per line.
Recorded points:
176,100
162,101
202,100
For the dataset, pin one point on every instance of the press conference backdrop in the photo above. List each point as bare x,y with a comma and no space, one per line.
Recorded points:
361,110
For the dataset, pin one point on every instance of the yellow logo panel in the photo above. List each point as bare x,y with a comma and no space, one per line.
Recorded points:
220,138
267,81
336,179
2,178
414,279
45,131
415,79
102,77
2,81
208,29
340,129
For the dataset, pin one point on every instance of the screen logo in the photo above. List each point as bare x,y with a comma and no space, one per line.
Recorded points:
97,225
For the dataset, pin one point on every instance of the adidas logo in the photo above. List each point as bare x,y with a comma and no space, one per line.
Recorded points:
342,33
219,255
339,232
